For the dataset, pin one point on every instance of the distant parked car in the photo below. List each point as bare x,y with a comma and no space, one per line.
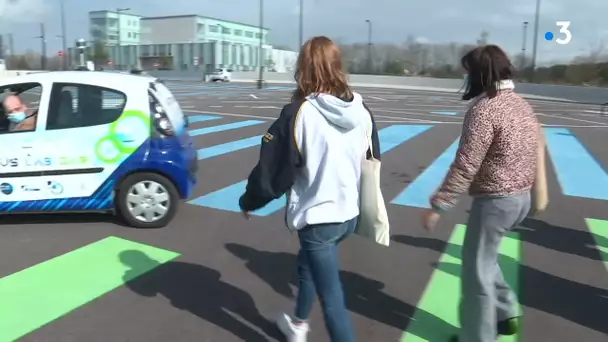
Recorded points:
222,74
139,72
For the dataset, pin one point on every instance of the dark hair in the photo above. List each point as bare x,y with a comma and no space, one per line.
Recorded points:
486,65
319,70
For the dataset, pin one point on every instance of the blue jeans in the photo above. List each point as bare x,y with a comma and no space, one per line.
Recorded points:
319,273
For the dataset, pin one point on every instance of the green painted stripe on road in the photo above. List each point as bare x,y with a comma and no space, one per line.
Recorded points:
436,316
36,296
599,230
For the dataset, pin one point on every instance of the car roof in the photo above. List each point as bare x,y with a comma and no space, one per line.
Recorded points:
99,78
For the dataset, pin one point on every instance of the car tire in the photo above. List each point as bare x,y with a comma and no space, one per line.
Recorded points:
169,199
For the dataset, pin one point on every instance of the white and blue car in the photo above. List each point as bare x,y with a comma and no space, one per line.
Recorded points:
103,142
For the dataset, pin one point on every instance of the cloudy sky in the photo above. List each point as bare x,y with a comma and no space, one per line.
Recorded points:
393,20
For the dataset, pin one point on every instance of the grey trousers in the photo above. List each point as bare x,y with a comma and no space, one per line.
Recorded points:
486,297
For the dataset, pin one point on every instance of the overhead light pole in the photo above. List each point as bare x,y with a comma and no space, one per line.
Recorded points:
42,38
301,23
261,49
369,45
535,42
64,44
523,45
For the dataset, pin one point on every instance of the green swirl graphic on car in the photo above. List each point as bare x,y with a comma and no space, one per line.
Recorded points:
124,137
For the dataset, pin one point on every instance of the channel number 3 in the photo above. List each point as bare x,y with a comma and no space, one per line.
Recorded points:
564,29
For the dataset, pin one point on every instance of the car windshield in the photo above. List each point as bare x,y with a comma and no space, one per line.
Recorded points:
219,70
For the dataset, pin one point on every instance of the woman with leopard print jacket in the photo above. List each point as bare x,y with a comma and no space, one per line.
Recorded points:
496,163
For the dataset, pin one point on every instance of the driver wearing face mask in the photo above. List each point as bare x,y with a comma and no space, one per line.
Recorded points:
16,112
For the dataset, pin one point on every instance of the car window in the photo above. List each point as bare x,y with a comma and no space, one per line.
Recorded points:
30,94
74,92
80,105
31,97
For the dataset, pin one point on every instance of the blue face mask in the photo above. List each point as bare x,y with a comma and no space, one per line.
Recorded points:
16,117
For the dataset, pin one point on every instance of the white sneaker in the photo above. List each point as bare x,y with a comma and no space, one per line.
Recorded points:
293,332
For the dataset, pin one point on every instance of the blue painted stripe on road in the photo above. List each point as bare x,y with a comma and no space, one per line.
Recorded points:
228,197
578,172
395,135
445,112
418,193
202,118
213,151
279,88
226,127
195,93
185,88
211,93
210,86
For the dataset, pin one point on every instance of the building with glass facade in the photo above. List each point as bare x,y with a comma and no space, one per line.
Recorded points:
184,42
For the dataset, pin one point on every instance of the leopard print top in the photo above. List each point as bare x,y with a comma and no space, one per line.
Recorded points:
497,151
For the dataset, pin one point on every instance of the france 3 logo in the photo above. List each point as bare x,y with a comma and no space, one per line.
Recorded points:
564,30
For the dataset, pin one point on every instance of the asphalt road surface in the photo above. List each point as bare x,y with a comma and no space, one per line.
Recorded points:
213,276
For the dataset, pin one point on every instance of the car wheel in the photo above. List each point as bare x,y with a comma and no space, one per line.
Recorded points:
147,200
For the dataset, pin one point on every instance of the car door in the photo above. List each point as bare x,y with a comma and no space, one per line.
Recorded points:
22,162
78,137
93,142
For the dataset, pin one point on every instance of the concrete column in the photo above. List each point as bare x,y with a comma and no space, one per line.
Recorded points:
218,54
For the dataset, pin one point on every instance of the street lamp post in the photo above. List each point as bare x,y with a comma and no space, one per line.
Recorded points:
42,38
64,44
369,46
261,50
301,23
119,53
535,42
523,45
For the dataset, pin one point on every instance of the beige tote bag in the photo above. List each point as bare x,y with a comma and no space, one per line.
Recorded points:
373,218
540,193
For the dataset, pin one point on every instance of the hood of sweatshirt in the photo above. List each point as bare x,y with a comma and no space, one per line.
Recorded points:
347,115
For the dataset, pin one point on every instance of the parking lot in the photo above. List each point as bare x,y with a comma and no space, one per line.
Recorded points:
213,276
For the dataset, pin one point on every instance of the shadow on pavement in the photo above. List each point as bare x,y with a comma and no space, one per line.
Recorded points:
561,239
364,296
579,303
26,218
200,291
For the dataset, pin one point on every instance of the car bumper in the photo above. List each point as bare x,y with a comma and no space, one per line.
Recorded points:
176,159
192,169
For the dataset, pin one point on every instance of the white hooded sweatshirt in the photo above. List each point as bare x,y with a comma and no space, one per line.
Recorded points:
332,137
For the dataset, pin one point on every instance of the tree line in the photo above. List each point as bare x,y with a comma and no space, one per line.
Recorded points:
412,58
31,60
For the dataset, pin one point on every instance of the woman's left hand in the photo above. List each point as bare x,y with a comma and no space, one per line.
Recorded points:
430,218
